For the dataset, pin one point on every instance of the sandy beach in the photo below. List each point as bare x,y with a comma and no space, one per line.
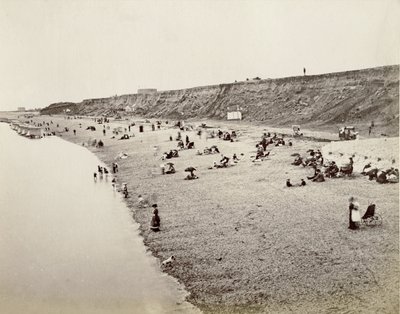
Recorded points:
245,243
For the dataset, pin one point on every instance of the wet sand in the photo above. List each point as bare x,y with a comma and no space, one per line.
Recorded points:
246,244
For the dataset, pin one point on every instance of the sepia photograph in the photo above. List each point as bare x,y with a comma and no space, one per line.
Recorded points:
199,156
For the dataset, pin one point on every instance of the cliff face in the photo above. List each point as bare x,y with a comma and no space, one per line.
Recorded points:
351,97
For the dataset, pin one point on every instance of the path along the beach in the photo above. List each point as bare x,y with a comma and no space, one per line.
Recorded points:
67,244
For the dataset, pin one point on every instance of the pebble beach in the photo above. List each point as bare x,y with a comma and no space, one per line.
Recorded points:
243,242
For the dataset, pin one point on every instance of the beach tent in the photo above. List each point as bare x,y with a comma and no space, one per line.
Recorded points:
234,115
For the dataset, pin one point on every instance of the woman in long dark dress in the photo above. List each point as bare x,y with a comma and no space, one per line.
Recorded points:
155,220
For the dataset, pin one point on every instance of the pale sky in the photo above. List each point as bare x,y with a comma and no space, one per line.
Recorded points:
52,51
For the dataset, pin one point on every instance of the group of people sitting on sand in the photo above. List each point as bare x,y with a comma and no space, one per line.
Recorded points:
314,160
321,170
267,139
260,154
332,170
173,153
209,150
390,175
318,176
226,136
181,145
225,161
169,170
189,145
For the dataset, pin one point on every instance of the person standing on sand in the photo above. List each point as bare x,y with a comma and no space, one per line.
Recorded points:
141,202
95,176
125,190
304,71
115,167
155,220
354,214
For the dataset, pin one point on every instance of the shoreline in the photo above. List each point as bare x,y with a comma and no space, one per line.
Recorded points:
199,223
74,245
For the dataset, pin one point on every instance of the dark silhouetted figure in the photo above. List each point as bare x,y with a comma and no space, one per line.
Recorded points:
155,220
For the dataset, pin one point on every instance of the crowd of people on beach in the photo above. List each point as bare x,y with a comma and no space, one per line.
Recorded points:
312,159
330,169
389,175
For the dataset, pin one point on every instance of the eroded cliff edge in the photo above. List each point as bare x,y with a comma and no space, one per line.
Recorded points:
334,98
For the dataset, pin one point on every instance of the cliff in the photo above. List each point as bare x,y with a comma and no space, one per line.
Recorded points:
351,97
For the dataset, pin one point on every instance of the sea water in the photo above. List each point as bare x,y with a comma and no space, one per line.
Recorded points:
67,243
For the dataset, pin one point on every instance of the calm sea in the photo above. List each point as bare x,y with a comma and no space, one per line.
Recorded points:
67,243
